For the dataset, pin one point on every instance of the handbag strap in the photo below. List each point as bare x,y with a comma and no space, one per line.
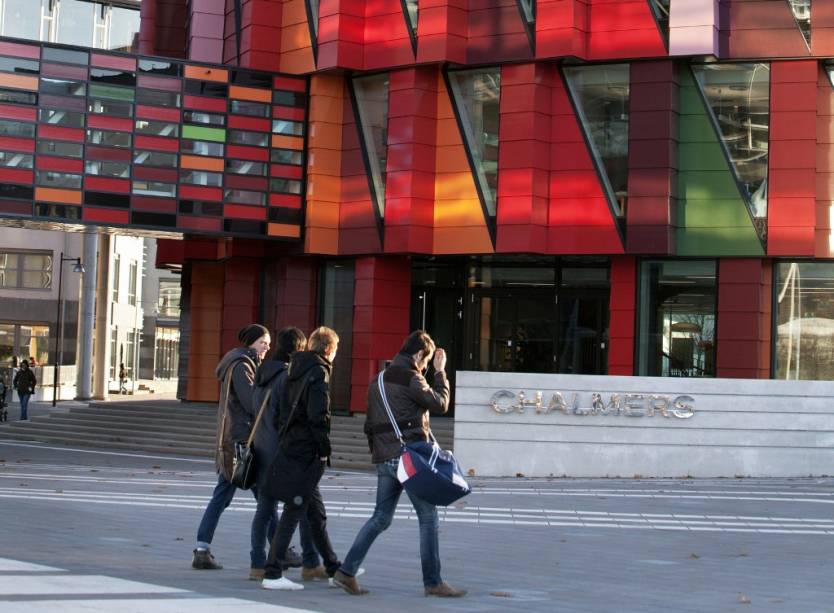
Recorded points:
294,405
258,418
224,398
394,424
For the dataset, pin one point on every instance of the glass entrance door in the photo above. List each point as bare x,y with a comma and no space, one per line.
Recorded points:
512,330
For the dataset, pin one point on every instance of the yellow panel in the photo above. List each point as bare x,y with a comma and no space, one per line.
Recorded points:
287,142
19,81
207,73
57,195
283,229
250,93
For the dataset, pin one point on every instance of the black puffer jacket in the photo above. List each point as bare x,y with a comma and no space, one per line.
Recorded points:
238,366
411,400
308,432
271,377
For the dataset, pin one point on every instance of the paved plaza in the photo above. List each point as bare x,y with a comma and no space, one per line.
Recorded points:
94,531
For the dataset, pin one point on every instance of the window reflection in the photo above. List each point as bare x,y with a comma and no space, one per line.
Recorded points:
601,94
476,94
801,10
412,11
661,14
124,30
739,98
76,21
805,321
372,102
677,319
22,18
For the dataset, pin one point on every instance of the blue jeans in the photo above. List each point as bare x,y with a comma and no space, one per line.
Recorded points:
220,499
24,405
263,514
388,492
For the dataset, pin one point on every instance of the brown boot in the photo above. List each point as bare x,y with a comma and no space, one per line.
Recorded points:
314,574
348,584
256,574
444,590
203,560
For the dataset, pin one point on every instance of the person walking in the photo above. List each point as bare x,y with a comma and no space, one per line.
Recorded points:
271,378
24,382
411,400
305,439
236,372
122,379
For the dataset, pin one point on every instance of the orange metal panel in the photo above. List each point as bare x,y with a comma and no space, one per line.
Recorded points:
18,81
57,195
196,162
282,229
250,93
287,142
206,73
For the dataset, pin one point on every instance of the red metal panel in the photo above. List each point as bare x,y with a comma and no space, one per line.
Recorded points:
285,200
60,164
154,205
201,103
156,143
166,84
199,224
621,29
105,184
283,170
18,50
107,216
249,123
8,143
108,155
760,28
288,112
233,181
64,71
148,173
14,175
240,211
247,153
193,192
15,207
622,308
110,123
59,133
160,114
8,111
116,62
287,84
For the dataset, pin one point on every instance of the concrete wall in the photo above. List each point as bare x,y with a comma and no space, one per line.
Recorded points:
739,427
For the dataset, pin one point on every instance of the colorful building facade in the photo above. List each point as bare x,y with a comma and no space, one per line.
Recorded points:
624,187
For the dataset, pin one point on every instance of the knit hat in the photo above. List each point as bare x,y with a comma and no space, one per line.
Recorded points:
251,333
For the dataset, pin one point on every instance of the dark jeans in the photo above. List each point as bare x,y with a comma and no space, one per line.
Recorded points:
313,510
222,497
263,514
388,492
24,405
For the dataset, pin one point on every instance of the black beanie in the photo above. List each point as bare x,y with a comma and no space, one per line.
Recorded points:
251,333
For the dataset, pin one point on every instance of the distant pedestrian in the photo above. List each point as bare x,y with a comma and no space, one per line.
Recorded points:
24,382
411,399
4,391
306,440
122,379
271,378
236,372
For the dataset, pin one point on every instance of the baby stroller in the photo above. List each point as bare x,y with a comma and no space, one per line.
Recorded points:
4,410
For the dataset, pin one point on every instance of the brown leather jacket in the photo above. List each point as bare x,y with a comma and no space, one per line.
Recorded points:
411,400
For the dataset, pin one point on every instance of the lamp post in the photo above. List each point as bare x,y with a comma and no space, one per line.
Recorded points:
59,344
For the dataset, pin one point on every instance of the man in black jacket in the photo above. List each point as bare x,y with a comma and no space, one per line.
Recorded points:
236,372
411,400
305,417
271,379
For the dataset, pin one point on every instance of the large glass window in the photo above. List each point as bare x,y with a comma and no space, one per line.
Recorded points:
166,352
124,29
117,277
132,282
601,95
804,320
76,22
22,18
336,311
801,10
24,341
170,292
677,305
372,102
738,96
476,94
26,269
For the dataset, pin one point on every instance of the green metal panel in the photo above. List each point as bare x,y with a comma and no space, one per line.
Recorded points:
713,219
217,135
112,92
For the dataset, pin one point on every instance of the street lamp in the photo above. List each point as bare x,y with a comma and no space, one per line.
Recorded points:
59,345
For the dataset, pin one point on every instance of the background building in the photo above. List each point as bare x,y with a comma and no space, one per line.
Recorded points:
638,187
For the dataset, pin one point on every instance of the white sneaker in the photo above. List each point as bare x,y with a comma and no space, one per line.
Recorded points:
281,584
359,573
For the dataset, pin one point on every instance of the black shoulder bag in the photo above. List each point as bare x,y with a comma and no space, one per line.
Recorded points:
292,479
244,467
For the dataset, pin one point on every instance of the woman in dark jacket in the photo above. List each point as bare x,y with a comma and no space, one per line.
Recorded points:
236,372
271,378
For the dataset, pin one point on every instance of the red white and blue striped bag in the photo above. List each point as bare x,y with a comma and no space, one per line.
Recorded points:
426,470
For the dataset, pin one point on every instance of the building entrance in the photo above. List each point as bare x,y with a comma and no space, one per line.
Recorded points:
541,316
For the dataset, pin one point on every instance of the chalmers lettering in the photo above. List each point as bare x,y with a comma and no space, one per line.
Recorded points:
628,405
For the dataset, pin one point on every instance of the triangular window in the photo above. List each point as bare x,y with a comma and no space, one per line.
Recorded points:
313,23
801,10
660,8
601,95
411,12
738,96
476,95
372,113
527,8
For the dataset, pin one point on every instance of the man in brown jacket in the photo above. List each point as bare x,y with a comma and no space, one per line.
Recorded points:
411,400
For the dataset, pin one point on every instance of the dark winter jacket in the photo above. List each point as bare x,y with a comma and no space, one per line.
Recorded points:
24,381
238,367
308,432
411,400
271,377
